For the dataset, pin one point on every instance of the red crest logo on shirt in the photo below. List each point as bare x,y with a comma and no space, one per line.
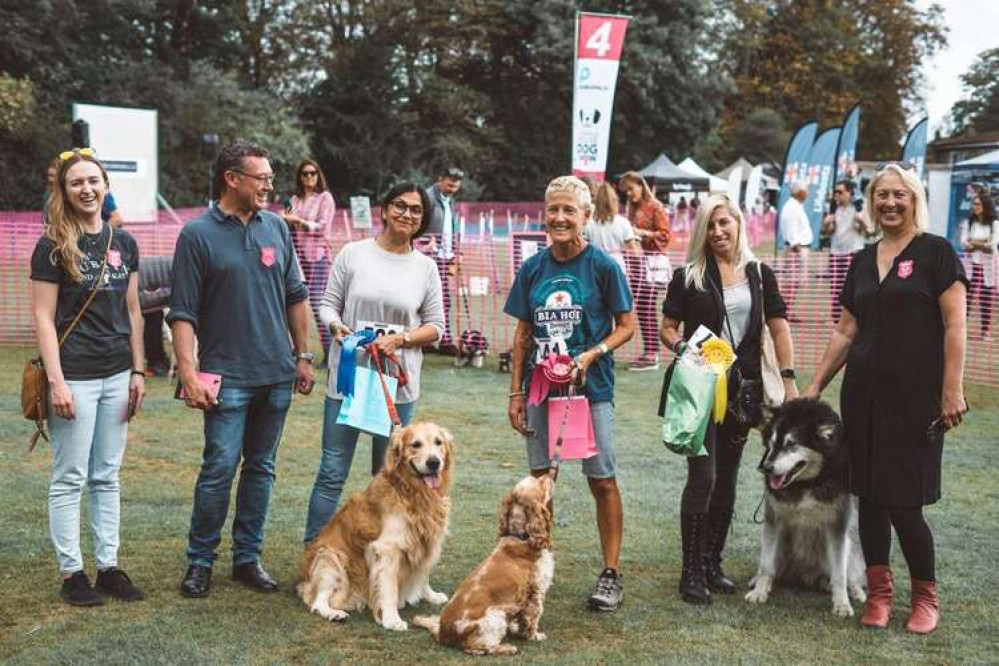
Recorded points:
905,269
268,255
114,258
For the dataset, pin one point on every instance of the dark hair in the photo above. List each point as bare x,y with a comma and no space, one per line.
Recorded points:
231,159
988,208
406,188
320,180
848,184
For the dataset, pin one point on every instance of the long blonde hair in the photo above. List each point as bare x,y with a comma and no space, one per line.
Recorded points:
913,184
635,178
697,260
606,206
65,225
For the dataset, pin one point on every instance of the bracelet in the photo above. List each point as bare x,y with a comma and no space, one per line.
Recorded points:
514,394
140,373
603,348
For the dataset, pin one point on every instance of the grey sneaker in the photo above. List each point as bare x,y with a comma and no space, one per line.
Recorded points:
609,594
644,363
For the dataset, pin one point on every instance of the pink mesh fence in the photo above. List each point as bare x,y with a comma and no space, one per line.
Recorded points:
496,236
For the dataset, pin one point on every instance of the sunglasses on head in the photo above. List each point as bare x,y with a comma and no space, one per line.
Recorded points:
85,152
903,165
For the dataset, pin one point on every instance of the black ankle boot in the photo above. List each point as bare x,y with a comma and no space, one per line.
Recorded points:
693,587
719,520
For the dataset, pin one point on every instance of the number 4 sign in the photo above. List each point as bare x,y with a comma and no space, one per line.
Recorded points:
599,42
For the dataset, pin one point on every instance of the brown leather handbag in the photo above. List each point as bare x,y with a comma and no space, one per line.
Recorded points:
34,381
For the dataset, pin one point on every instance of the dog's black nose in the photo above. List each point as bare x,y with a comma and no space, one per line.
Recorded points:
766,468
433,464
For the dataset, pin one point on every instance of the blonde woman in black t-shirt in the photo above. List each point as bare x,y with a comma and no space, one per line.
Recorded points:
95,381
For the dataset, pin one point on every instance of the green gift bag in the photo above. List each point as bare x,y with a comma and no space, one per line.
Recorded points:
688,395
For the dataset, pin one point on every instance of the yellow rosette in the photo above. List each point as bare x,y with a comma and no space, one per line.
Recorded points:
718,354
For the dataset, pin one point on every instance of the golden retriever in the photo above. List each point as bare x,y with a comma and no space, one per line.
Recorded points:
379,548
506,594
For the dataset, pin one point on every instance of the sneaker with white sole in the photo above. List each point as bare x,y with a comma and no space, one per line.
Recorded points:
644,363
609,593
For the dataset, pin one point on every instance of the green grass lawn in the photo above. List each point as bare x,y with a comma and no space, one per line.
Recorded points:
237,625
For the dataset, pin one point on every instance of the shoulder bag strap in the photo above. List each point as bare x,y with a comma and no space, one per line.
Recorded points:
93,290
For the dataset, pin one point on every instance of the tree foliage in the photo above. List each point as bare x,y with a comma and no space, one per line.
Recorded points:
813,59
379,90
979,110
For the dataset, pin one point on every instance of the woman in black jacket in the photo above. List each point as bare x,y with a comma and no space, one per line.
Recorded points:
722,286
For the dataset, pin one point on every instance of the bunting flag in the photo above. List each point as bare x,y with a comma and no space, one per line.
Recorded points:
821,165
599,42
914,150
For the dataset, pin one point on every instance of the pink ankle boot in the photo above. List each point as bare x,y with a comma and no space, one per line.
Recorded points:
880,594
925,607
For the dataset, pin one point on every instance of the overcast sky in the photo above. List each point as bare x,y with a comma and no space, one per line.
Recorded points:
974,27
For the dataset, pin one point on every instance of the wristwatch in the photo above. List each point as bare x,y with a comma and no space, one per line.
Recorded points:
788,373
305,356
406,340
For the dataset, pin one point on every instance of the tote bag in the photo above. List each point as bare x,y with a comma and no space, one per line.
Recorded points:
366,408
578,442
686,407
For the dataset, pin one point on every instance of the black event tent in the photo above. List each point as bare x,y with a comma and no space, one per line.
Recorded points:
667,177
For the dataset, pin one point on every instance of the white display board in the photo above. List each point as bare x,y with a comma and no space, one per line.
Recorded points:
126,141
938,192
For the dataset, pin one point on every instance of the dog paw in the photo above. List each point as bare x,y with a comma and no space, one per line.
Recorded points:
756,596
331,614
538,636
436,598
842,609
395,624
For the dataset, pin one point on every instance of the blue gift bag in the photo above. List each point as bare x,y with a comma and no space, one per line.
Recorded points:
366,409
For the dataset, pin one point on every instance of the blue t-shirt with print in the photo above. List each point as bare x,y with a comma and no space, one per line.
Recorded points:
572,305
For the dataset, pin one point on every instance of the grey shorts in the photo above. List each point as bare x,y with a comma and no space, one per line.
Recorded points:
601,466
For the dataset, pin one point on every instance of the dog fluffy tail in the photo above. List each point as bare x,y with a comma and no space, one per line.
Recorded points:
431,623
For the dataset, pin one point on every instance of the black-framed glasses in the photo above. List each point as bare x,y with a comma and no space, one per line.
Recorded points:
259,177
400,208
901,164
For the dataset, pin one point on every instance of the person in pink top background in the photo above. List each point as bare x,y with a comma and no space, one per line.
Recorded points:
309,215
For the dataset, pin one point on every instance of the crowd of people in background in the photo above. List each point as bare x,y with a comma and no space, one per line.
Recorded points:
242,282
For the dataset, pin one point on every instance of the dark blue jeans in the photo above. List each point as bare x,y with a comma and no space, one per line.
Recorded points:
247,424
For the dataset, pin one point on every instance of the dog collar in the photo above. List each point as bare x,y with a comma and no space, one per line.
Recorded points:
523,536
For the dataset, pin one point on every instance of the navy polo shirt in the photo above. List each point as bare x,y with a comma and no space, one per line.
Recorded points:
234,283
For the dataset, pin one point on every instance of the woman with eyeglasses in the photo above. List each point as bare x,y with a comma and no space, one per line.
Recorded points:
384,285
901,336
89,327
979,236
724,287
310,214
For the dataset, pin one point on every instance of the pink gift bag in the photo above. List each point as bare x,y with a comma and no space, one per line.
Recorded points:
578,441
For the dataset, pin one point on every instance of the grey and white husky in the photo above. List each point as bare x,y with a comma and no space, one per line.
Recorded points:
810,535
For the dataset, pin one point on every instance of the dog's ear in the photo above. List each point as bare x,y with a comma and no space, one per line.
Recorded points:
539,524
504,515
448,470
826,430
395,449
767,414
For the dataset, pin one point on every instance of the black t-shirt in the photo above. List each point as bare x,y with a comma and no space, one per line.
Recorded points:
98,346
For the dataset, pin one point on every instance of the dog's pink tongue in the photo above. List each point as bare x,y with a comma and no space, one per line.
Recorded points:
433,481
777,482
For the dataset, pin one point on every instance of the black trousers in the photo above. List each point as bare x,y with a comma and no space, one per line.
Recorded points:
711,479
152,338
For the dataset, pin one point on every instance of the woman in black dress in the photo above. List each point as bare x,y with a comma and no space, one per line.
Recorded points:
902,338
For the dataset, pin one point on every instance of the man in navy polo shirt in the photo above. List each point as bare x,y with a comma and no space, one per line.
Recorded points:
236,286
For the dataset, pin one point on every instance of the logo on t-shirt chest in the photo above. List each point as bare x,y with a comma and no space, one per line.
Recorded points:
905,269
268,256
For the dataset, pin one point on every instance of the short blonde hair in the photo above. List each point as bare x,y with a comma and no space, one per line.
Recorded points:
912,183
571,184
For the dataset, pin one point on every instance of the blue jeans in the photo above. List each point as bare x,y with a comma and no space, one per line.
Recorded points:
339,442
246,423
88,450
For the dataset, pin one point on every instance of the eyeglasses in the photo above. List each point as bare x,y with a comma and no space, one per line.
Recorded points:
85,152
903,165
937,427
309,174
400,208
260,178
